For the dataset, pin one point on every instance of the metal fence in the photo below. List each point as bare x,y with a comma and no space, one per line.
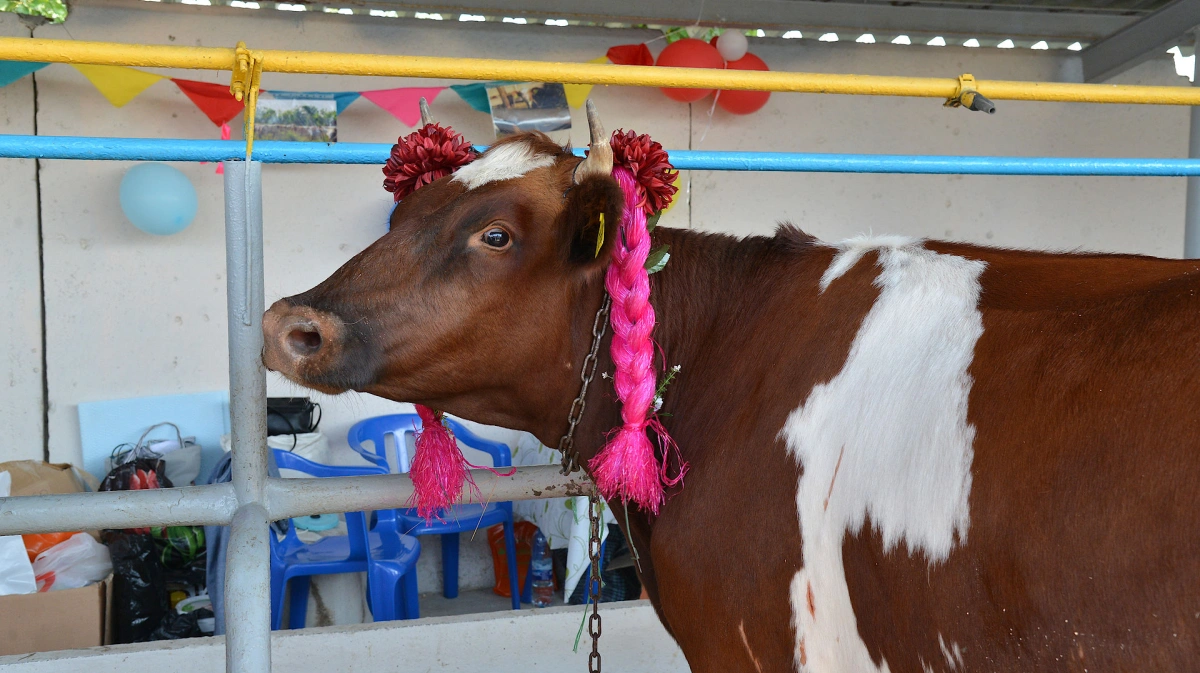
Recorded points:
254,498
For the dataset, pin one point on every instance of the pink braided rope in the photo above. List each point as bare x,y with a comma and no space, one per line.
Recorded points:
626,467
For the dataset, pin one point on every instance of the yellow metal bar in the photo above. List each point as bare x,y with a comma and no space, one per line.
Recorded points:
211,58
115,53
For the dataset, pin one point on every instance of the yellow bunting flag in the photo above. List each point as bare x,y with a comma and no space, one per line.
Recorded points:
578,93
118,84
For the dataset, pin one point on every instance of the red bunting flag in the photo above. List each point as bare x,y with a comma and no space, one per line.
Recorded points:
630,54
214,100
403,103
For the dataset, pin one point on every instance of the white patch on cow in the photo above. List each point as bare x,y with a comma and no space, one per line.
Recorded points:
954,660
501,163
852,249
746,644
886,438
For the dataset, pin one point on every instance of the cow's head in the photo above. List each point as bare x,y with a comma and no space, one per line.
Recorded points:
472,302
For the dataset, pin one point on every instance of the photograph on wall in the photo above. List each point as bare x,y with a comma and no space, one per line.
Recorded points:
529,106
296,120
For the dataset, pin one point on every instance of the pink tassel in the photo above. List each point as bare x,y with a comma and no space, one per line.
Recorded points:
626,468
439,468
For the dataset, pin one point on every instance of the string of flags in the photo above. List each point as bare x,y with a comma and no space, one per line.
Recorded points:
514,106
120,85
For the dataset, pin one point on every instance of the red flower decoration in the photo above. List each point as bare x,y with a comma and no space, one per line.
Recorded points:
423,156
648,162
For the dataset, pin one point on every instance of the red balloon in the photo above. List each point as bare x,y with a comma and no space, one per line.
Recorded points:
744,102
690,53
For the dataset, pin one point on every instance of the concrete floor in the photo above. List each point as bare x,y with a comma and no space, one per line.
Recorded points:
467,603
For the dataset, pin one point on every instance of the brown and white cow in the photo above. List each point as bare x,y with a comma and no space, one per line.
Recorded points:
906,455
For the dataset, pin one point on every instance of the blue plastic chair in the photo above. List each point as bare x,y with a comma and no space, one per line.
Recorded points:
453,521
388,557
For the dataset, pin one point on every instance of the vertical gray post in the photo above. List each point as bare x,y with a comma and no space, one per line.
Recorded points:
248,592
1191,222
247,572
247,377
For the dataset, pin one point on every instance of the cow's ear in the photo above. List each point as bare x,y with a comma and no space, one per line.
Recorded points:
591,220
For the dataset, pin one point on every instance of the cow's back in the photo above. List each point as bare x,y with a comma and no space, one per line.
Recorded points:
1082,548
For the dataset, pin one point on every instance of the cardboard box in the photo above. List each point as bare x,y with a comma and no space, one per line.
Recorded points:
56,620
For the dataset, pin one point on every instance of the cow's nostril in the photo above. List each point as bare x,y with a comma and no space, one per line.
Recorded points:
304,340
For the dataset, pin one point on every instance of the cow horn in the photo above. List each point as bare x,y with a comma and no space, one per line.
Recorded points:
426,117
600,160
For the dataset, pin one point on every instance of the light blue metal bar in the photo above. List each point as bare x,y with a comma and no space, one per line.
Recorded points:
154,149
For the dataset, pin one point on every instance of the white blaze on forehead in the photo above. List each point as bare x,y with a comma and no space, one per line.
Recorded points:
886,438
505,162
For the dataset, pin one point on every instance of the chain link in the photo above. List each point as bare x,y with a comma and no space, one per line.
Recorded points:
594,583
570,463
566,445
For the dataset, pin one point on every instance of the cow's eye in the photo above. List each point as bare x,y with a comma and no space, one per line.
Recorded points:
496,237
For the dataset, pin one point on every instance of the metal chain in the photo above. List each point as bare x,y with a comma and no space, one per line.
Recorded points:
566,445
570,463
594,583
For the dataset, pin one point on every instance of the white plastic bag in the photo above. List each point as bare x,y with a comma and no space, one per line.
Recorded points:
75,563
16,575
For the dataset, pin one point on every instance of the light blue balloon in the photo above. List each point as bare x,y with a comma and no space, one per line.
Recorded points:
158,199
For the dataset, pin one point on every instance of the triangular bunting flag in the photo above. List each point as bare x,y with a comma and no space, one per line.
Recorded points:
343,99
118,84
11,71
214,100
403,103
474,95
577,93
630,54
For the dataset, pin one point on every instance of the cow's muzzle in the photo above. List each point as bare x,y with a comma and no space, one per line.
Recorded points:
301,342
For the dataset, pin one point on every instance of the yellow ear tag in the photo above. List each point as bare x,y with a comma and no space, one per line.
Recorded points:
600,236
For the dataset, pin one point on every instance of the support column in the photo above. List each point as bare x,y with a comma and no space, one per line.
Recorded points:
247,574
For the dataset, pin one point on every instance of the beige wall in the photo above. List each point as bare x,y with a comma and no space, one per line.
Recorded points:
1137,215
20,294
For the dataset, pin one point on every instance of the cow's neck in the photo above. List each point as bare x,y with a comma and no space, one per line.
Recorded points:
709,302
706,306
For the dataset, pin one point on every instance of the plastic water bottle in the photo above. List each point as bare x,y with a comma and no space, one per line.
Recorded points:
542,567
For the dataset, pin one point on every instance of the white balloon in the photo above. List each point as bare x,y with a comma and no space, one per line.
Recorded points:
732,44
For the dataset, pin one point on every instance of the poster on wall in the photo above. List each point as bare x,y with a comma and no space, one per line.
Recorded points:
529,106
296,120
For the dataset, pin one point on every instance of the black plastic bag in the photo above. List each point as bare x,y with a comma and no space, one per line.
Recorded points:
136,475
139,597
177,626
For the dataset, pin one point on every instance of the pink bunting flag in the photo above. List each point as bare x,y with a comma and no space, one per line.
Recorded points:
404,103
